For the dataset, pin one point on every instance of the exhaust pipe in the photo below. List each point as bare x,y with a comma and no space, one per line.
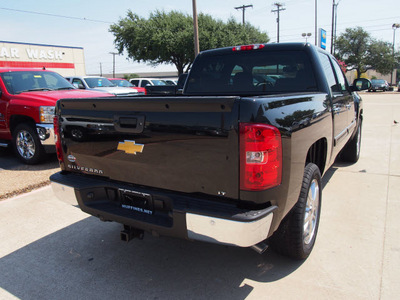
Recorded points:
130,233
260,248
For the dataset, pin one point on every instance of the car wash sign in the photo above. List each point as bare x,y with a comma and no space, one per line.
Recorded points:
22,55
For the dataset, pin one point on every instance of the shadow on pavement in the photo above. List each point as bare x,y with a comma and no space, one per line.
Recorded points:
88,261
338,164
9,161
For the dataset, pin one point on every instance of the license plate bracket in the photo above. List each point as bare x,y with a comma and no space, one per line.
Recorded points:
136,201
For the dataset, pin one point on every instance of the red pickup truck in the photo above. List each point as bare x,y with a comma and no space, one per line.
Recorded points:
27,101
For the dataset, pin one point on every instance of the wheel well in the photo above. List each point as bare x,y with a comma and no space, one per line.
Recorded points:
317,154
16,120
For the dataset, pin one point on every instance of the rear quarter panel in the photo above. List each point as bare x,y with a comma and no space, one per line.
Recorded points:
302,120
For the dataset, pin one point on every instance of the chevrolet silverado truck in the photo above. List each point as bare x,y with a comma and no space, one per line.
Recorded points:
237,159
27,103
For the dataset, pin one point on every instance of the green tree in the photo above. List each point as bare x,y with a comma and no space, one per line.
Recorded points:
361,52
167,38
130,76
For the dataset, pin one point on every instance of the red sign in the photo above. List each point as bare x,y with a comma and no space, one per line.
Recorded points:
29,64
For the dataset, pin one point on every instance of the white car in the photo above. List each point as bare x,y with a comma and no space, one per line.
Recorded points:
171,81
143,82
102,84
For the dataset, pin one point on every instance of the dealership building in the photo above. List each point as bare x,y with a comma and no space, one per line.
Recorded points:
67,61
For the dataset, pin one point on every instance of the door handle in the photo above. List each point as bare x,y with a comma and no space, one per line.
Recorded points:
129,123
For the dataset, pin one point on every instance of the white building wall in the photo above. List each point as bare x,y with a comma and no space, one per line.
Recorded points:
66,61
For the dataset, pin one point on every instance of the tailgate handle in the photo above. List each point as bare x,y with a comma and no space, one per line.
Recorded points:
131,124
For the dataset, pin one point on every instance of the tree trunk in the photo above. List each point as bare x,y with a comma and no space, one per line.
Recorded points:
179,67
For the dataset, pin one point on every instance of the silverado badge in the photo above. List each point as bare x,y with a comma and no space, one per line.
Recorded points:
130,147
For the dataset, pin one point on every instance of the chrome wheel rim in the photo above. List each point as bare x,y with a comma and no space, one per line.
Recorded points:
25,144
311,213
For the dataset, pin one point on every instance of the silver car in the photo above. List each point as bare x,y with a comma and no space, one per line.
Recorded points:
100,84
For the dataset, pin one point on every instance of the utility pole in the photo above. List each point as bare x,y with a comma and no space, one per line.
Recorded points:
101,71
243,8
279,8
113,54
196,30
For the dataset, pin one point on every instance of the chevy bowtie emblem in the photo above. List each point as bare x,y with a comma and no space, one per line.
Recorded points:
130,147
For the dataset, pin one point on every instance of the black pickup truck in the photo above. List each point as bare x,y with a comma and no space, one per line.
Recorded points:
236,159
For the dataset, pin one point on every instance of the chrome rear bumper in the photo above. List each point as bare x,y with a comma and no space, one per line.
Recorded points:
244,230
230,232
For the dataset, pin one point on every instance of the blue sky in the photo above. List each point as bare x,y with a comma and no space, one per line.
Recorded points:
85,23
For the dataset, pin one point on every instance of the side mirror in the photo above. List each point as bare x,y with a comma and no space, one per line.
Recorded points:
361,84
79,86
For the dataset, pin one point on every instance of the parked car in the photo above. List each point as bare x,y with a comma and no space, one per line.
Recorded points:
28,98
101,84
398,86
143,82
125,83
379,85
169,89
171,81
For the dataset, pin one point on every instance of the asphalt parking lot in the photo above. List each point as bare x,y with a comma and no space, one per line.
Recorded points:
51,250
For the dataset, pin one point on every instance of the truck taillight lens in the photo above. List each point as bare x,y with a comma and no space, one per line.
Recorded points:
57,139
260,157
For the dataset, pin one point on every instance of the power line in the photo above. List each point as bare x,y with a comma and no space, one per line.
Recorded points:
54,15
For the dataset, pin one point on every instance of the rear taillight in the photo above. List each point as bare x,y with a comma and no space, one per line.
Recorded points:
57,139
260,157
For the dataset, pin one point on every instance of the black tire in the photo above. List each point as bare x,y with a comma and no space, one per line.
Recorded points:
27,145
296,235
351,152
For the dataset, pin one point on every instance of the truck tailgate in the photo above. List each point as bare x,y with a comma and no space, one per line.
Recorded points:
183,144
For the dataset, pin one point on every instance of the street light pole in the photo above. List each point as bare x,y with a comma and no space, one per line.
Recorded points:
306,35
316,23
334,20
394,27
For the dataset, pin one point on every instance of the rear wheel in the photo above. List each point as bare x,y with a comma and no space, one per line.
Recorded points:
296,235
27,144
